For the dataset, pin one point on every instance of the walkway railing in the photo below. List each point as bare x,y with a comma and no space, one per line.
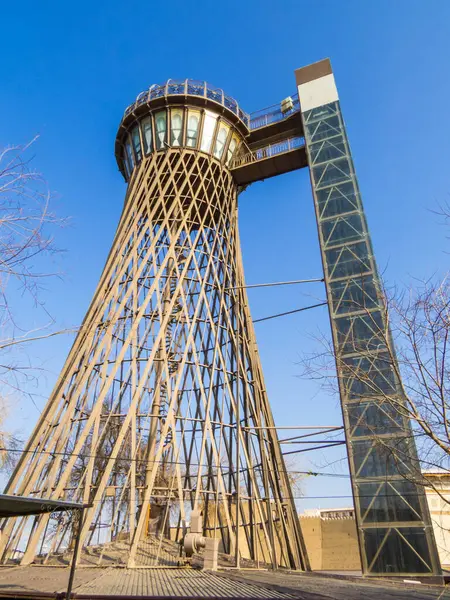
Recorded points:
273,114
268,151
190,87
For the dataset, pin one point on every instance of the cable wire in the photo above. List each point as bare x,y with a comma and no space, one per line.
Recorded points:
141,460
289,312
259,285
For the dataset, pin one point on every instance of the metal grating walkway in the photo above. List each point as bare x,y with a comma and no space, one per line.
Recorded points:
175,583
111,582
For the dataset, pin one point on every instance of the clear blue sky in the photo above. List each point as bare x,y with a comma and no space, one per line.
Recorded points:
69,70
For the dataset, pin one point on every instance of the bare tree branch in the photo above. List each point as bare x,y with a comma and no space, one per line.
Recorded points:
27,246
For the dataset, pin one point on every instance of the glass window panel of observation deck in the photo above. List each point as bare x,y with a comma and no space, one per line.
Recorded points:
136,139
161,129
209,125
221,139
176,127
129,154
193,122
126,166
231,148
147,134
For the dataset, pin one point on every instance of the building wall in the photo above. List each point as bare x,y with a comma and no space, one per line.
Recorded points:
312,534
439,505
340,550
331,540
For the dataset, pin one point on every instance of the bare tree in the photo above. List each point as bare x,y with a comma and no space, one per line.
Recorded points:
27,224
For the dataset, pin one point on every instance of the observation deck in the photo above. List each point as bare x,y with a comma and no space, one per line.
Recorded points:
192,92
268,142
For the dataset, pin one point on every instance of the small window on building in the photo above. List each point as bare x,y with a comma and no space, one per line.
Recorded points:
192,128
221,139
209,124
146,126
136,143
176,127
161,128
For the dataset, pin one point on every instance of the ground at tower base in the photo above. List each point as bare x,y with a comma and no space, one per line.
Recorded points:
191,584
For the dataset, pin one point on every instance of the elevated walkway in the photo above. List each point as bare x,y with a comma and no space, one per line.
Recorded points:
274,159
273,122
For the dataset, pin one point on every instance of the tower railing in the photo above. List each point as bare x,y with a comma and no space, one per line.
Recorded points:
272,114
189,87
269,151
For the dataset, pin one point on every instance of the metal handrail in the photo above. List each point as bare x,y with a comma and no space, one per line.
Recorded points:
287,145
273,114
190,87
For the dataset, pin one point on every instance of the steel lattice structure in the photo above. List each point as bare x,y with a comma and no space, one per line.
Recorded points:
161,407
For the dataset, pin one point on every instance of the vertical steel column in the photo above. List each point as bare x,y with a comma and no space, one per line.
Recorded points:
395,533
75,557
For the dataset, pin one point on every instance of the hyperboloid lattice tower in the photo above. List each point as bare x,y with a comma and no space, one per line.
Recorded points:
161,407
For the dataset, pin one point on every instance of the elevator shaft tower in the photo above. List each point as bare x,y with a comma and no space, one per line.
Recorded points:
393,521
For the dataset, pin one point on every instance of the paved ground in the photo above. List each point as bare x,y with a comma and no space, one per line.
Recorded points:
186,582
317,586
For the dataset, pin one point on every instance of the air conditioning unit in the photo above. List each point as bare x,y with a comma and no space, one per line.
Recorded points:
287,104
